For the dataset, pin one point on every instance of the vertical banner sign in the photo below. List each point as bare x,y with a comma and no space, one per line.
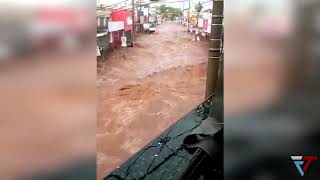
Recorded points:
205,24
98,51
129,21
124,41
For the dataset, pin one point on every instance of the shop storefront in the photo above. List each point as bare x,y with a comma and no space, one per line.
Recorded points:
124,17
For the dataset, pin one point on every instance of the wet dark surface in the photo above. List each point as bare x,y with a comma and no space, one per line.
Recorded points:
164,157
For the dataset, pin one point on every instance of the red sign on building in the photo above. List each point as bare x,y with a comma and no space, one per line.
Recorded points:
123,15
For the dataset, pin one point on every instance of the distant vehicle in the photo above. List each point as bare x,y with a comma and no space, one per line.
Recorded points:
152,27
146,27
149,27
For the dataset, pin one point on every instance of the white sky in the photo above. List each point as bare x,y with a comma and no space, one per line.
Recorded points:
175,4
229,5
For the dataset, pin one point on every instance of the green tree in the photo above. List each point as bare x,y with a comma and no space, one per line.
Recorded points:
169,12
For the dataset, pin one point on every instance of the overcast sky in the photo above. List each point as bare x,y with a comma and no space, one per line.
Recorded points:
231,4
172,3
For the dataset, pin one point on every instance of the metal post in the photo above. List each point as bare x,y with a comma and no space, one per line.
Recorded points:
215,46
197,19
197,28
189,17
140,26
133,27
148,12
182,21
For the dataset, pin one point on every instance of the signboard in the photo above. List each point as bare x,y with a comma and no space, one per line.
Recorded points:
98,51
115,26
129,20
140,13
200,22
124,41
141,19
205,24
102,34
207,17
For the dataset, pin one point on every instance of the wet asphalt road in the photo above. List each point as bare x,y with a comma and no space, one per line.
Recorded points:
141,91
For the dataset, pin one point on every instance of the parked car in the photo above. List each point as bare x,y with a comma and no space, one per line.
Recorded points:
149,27
146,27
152,27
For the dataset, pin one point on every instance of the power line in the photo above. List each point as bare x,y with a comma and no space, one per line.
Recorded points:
205,2
174,1
116,3
123,9
152,2
201,2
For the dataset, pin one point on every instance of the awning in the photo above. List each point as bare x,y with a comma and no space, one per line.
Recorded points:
102,34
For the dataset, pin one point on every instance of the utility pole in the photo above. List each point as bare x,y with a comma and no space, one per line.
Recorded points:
139,4
198,7
133,27
189,17
215,47
182,21
148,12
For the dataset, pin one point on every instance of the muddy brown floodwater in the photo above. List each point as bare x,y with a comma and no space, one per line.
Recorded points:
141,91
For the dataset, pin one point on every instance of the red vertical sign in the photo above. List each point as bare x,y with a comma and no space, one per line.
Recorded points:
205,24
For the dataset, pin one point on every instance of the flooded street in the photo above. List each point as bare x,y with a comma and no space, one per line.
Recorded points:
141,91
